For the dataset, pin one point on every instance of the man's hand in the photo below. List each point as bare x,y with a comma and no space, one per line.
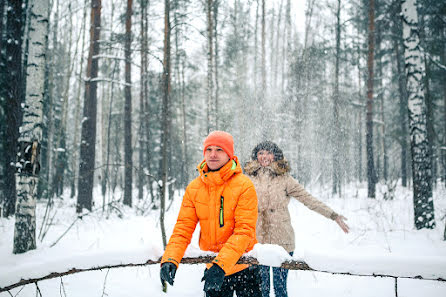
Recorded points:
213,278
167,272
340,221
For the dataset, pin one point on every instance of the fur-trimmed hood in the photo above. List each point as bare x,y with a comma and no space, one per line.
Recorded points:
279,167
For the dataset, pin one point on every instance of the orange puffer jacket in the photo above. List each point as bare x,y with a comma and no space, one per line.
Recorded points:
225,204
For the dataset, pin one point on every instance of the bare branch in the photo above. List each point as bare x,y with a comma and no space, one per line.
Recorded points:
291,265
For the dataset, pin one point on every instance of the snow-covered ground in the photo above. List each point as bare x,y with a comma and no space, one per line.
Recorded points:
382,240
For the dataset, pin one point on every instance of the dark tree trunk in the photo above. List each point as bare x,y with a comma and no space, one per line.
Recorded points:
11,91
371,179
88,134
165,116
2,15
147,111
128,109
142,126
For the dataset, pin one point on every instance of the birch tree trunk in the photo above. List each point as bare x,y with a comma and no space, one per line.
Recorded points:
88,134
421,165
31,131
371,179
128,183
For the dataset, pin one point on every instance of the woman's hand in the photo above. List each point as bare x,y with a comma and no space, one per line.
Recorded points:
340,221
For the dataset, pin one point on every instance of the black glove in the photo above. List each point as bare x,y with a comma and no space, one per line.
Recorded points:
167,272
213,278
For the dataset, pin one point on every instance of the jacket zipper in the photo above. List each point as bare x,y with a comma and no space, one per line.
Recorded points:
222,222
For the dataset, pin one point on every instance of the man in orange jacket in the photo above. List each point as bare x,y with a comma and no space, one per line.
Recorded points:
224,201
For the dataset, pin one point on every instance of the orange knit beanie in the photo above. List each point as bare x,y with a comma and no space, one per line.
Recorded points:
221,139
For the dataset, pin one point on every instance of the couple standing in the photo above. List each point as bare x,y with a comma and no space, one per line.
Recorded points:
229,205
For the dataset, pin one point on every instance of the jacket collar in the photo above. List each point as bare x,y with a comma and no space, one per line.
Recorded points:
276,168
220,176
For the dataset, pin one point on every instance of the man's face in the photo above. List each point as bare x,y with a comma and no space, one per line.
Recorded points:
215,157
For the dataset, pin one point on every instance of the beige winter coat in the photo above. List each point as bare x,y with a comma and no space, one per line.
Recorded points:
275,187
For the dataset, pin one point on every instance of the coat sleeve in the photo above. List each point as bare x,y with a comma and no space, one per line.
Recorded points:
244,233
182,232
296,190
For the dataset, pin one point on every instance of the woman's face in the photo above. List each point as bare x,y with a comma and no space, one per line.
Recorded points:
265,158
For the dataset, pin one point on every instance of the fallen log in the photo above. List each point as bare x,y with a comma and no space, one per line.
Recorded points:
291,265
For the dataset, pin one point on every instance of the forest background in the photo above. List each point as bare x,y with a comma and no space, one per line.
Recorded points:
125,92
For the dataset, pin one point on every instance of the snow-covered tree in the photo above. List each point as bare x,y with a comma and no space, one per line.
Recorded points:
31,131
421,164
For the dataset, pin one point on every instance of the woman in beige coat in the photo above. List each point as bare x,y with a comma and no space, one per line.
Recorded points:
269,171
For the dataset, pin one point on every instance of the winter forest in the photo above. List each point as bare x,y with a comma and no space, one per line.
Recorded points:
104,106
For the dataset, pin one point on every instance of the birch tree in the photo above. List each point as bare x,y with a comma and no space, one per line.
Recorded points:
421,164
31,131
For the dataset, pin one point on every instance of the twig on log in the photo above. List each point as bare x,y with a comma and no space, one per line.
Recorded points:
38,290
291,265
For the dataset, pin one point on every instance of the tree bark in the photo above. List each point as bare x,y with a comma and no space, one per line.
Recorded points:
2,15
421,165
60,153
371,178
216,4
262,96
290,265
402,110
88,134
165,116
210,72
128,183
78,107
11,91
142,126
336,131
31,132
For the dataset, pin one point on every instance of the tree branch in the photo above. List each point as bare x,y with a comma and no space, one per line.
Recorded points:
291,265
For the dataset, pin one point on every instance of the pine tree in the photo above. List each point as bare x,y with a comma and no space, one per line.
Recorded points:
88,134
11,95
